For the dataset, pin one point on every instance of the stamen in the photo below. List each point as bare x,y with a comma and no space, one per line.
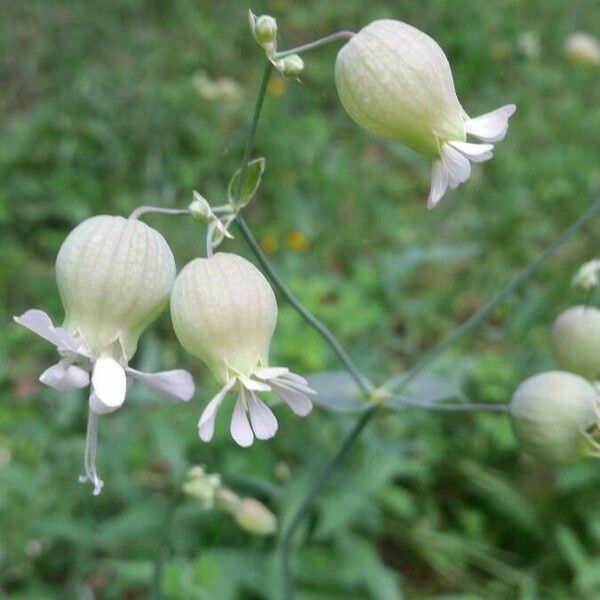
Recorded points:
89,461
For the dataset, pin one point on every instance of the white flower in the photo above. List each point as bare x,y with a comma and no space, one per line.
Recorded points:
395,81
583,48
224,312
114,277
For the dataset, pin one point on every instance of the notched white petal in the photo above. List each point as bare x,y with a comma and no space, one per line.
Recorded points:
176,385
295,399
109,383
458,167
64,376
252,384
240,428
271,372
206,424
439,184
40,323
492,126
264,423
474,152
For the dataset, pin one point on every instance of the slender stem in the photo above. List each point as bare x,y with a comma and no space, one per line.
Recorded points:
500,297
440,406
252,132
365,385
142,210
287,537
289,534
340,35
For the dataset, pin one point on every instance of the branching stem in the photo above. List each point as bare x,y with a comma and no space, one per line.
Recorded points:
340,35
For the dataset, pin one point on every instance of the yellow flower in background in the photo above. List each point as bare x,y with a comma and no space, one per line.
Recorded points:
269,244
277,86
297,241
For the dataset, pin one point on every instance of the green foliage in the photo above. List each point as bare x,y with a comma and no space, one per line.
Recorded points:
105,110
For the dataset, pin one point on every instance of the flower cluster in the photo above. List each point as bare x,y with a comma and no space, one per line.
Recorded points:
116,275
556,415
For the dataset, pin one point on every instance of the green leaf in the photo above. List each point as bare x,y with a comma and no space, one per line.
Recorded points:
254,173
337,391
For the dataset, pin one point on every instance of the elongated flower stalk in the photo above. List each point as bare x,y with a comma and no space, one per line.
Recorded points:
396,82
114,276
224,312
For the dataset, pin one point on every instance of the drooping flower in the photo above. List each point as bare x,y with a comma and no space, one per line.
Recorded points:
555,417
396,82
576,341
224,312
114,277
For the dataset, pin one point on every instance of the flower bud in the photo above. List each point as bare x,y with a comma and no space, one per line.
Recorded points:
224,312
395,81
265,29
552,414
255,517
114,276
576,341
292,66
588,276
583,49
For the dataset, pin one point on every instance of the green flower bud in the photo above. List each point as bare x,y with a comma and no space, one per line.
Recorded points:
576,341
255,517
224,312
292,66
552,414
265,29
114,276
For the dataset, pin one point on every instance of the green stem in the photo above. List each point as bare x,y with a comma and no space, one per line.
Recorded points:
500,297
288,535
365,385
440,406
340,35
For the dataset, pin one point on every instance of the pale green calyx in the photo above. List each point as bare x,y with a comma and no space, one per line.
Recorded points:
224,312
555,417
114,276
395,81
576,341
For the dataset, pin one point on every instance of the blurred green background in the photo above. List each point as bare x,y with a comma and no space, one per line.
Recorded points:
118,103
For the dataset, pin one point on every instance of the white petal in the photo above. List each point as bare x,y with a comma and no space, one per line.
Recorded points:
109,382
264,423
252,384
439,183
40,323
176,385
474,152
240,427
304,388
297,401
64,376
492,126
206,424
295,378
271,372
97,406
456,165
